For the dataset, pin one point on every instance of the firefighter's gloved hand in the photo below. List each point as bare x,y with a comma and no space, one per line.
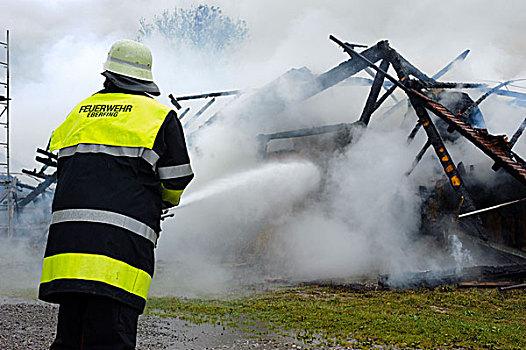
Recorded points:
165,214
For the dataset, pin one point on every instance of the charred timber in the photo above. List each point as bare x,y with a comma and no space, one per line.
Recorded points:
450,85
370,104
514,286
208,95
205,107
384,97
306,132
470,109
418,157
493,146
23,185
49,180
34,173
350,67
432,279
175,100
517,134
185,112
47,154
403,70
46,161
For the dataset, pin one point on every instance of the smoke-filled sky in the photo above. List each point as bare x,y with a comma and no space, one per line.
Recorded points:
58,46
365,218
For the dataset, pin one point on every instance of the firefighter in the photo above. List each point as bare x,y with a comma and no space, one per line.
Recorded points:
122,158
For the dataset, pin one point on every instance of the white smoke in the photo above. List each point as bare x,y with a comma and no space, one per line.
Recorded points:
21,254
217,221
462,256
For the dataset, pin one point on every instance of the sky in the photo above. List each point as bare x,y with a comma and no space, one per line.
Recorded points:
58,46
368,211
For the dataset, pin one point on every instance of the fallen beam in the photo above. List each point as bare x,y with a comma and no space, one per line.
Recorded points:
491,208
483,284
514,286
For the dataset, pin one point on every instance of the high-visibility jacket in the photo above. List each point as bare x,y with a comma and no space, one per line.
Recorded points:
120,156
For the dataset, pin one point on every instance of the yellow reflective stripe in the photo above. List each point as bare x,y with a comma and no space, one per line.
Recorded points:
172,196
112,119
98,268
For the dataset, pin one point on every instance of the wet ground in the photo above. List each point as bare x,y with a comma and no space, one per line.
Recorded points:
30,325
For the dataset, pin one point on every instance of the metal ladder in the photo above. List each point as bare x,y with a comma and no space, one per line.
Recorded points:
8,184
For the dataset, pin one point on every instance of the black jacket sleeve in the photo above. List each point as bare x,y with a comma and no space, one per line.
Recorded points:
173,166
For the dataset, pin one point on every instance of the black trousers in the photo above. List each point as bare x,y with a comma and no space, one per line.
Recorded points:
91,322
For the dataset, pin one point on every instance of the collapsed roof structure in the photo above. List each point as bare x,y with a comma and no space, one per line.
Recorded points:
457,116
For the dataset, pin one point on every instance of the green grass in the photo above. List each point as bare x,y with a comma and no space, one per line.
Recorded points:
443,318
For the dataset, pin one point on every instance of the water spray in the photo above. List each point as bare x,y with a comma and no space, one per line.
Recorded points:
300,170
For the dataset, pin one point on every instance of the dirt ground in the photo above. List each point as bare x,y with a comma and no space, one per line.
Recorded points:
30,325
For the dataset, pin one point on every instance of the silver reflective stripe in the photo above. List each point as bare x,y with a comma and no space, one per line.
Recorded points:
173,172
147,154
66,152
150,156
105,217
132,64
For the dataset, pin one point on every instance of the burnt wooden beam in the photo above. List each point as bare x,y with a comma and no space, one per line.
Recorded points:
350,67
47,154
208,95
446,161
517,134
34,173
443,155
49,180
202,110
384,97
46,161
373,94
418,157
185,112
413,133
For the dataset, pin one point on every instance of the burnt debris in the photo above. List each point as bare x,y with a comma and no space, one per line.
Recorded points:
458,116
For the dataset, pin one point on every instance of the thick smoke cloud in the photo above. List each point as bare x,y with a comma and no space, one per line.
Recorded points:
368,212
58,46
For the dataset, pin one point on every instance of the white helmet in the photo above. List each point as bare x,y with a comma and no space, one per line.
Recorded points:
131,59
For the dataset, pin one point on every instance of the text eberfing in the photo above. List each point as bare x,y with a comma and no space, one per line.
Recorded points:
97,111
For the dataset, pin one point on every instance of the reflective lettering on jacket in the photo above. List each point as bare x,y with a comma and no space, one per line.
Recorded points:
112,119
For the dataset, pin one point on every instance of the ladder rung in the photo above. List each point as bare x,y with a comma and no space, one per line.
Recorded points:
3,143
3,63
2,83
2,43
